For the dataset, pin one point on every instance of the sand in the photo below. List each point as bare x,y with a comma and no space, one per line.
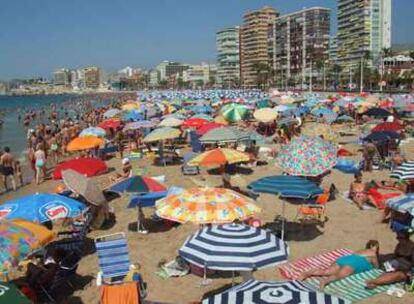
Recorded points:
347,227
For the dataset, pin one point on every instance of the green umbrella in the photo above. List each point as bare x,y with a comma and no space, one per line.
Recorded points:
9,293
234,112
224,135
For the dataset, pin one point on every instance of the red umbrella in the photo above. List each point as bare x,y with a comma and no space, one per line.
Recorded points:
388,126
194,123
86,166
409,107
110,124
210,126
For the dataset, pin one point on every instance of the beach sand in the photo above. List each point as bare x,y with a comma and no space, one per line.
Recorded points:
347,227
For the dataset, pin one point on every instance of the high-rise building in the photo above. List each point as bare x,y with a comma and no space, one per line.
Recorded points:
199,75
364,30
170,68
254,43
61,77
300,43
91,77
228,57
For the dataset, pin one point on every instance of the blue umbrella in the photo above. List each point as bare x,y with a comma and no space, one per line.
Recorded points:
402,204
41,208
382,136
132,115
201,109
287,187
93,131
329,115
234,247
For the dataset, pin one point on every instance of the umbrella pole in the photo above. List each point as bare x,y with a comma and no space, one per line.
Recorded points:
283,220
232,278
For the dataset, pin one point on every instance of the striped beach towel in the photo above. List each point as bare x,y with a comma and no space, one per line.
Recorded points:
294,269
353,287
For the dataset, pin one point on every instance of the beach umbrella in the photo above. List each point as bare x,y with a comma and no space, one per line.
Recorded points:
224,135
286,186
110,124
204,109
263,103
86,166
143,124
10,293
388,126
41,208
307,156
282,108
93,131
130,106
382,136
402,204
194,123
203,116
80,184
234,247
377,112
43,235
344,119
287,121
163,133
206,205
132,116
111,113
138,184
174,115
329,115
221,120
318,130
367,127
404,172
208,127
233,112
285,99
219,156
171,122
265,115
84,143
16,243
278,292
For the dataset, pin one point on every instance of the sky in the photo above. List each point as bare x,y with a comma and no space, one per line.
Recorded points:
36,37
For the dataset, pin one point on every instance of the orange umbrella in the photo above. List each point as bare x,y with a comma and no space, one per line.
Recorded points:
84,143
219,156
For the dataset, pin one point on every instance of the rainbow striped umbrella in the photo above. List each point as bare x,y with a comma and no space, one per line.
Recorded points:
16,243
206,205
307,156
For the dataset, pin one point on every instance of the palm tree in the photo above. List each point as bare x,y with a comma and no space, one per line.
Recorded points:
263,74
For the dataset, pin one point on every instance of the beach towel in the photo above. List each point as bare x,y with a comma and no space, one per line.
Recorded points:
294,270
345,196
353,287
379,198
121,294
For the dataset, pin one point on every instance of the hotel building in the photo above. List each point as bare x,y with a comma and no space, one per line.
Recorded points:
228,57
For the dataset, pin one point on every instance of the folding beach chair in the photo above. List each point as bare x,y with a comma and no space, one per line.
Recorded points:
189,170
113,257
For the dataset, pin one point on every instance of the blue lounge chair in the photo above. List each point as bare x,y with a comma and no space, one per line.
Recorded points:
113,257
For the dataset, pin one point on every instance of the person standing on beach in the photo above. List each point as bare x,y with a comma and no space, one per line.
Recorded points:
40,162
7,168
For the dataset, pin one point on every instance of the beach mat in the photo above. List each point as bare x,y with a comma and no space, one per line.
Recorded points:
293,270
353,288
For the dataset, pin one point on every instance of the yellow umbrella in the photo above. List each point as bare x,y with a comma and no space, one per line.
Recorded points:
171,122
41,233
162,134
265,115
219,156
130,106
221,120
85,143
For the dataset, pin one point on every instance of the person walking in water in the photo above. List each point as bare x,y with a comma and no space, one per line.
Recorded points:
7,168
40,162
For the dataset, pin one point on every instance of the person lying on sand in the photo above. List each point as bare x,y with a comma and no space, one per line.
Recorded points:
360,261
126,171
399,268
357,191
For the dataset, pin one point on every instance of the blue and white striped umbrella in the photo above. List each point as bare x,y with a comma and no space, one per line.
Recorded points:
257,292
402,204
234,247
93,131
405,171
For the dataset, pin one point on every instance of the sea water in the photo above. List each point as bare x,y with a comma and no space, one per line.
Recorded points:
12,132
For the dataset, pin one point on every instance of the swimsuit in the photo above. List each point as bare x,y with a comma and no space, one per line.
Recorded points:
7,171
40,163
357,262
